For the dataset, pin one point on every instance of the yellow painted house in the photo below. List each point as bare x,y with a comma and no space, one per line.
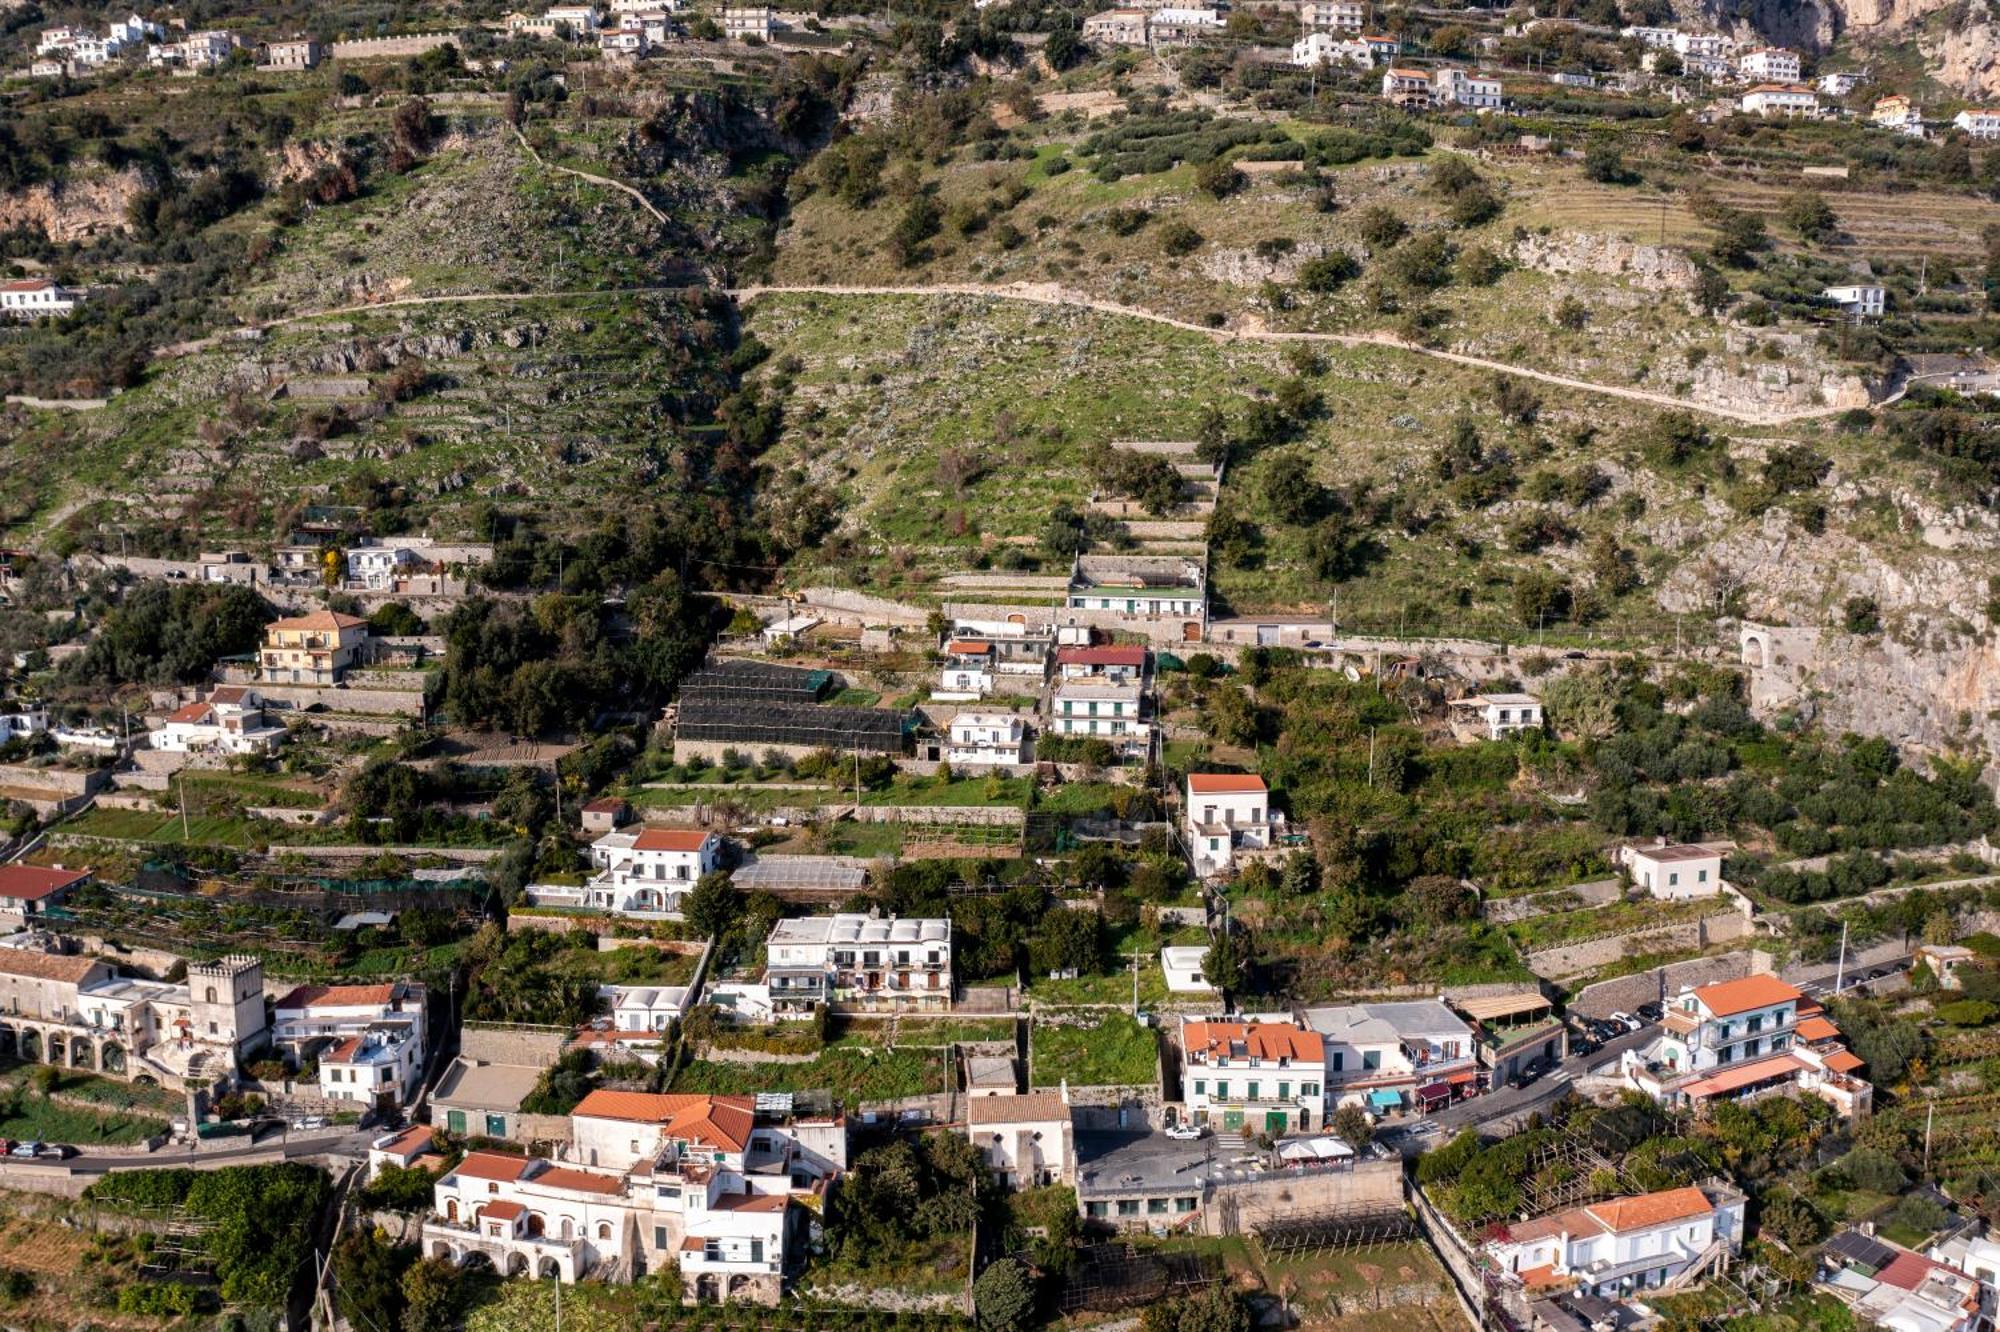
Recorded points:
311,649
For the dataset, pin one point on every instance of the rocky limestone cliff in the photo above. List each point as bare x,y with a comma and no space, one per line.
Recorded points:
1959,39
1567,252
75,208
1930,681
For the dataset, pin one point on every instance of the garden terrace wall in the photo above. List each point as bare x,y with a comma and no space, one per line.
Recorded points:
1622,994
56,781
1368,1185
1577,959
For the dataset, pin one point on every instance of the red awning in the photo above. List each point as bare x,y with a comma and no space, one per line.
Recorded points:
1436,1091
1464,1077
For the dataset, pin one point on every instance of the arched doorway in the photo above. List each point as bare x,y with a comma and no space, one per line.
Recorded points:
81,1055
56,1049
1756,652
476,1261
451,1209
568,1230
31,1046
738,1284
548,1267
112,1057
442,1250
707,1289
517,1264
535,1223
6,1041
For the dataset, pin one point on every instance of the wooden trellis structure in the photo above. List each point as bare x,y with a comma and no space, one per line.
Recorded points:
1110,1277
1345,1231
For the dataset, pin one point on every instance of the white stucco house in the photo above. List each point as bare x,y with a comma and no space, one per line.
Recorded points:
1495,716
987,739
1227,812
1675,873
1620,1247
231,720
1028,1141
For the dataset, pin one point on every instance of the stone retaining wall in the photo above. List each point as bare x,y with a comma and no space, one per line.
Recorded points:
1622,994
1578,959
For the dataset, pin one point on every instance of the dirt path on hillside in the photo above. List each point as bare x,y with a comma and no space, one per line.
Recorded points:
1053,295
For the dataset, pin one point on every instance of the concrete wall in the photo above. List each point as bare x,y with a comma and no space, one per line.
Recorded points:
374,702
378,48
1625,993
1235,1207
498,1043
1600,892
64,781
1579,959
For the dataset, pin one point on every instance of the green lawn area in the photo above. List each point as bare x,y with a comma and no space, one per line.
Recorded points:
111,1093
959,791
856,697
1114,988
1076,798
853,1075
251,789
869,1033
1093,1048
144,825
33,1116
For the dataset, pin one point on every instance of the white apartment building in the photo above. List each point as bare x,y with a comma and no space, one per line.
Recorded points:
1105,708
1266,1076
1770,64
382,1067
1451,86
313,1017
701,1183
1146,586
627,39
987,739
1865,300
1117,27
968,670
231,720
1623,1246
1227,812
1981,122
740,25
1780,99
1406,87
1496,716
1393,1056
1028,1141
1349,16
1325,48
1746,1038
641,1014
79,1012
1838,85
198,50
862,961
647,869
38,298
1674,873
1173,26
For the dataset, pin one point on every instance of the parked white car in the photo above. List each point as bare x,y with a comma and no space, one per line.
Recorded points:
1185,1132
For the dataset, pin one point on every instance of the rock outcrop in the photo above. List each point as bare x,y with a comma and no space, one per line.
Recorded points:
1959,39
74,208
1566,252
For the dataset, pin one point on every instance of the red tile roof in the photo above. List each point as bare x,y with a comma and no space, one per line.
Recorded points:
46,966
1844,1061
1621,1215
1225,783
583,1181
27,284
1261,1040
344,1052
497,1166
1743,996
190,714
32,883
503,1210
1818,1029
319,620
708,1121
749,1202
1906,1271
605,805
1739,1076
670,839
411,1141
967,647
338,996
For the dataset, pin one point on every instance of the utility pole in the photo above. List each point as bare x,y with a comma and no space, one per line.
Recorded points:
1840,969
1930,1113
1371,758
182,785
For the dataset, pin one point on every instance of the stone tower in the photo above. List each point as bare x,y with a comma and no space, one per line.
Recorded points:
226,999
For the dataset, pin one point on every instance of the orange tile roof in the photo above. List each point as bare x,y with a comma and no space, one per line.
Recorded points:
1818,1029
493,1165
670,839
411,1141
189,714
1742,996
749,1202
1540,1278
709,1121
345,1051
1262,1040
1844,1061
1651,1209
968,647
31,883
583,1181
27,284
1745,1075
47,966
319,620
501,1211
1225,783
338,996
